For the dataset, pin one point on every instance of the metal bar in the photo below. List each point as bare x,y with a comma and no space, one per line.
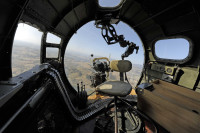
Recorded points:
121,74
51,58
52,45
116,121
43,48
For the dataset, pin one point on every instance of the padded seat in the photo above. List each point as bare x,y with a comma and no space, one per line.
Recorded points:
115,88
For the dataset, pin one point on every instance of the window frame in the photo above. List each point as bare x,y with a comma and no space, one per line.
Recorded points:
175,61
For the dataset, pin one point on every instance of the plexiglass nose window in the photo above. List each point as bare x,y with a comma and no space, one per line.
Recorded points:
87,55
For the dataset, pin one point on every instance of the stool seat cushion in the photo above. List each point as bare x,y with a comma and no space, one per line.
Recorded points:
114,88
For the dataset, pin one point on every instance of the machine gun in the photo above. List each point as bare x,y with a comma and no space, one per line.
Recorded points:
109,34
101,71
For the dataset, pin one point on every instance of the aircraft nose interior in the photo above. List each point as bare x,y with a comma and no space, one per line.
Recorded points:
88,90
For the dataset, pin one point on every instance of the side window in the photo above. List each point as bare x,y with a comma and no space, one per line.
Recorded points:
52,52
52,48
172,49
26,48
51,38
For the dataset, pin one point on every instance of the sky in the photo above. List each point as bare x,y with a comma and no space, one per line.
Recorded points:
28,34
88,40
109,3
32,35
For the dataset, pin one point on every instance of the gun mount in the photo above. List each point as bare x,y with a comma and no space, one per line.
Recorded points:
109,34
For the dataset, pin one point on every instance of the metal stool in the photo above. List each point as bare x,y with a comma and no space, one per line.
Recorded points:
116,88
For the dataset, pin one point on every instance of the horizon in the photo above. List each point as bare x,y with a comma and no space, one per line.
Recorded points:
84,43
24,44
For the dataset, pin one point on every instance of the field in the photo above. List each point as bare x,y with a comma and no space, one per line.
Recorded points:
78,67
24,57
